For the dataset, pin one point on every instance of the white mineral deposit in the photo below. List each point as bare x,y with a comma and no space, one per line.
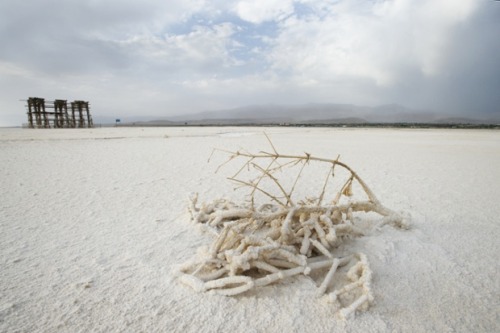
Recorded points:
234,229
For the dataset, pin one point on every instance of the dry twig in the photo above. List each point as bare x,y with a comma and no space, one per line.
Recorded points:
255,247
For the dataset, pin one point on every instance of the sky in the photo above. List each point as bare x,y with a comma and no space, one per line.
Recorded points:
167,58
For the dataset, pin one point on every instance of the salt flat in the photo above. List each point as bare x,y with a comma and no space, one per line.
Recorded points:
93,221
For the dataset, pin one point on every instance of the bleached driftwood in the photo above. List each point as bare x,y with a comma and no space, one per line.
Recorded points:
257,246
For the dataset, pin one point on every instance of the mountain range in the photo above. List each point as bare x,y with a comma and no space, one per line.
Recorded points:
316,114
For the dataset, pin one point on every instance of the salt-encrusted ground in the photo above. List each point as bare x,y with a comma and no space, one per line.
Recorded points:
92,222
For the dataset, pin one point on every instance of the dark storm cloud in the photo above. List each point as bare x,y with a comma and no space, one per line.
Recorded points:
469,80
474,72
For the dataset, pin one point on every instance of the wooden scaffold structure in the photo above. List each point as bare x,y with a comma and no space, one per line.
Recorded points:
81,107
54,114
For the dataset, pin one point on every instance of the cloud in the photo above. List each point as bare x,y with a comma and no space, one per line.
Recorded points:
204,49
378,41
67,36
191,55
258,11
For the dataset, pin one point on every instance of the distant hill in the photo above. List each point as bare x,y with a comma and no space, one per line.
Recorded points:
279,113
325,114
306,114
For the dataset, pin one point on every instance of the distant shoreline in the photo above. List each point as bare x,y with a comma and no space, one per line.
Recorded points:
339,125
490,126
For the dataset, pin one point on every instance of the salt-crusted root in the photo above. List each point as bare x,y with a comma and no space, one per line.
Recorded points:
283,238
329,276
321,218
360,275
277,248
230,285
192,281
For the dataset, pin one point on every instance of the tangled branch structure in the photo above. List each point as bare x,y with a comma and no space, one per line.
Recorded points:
257,244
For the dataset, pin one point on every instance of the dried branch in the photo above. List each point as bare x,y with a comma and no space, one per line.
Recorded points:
268,174
282,239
